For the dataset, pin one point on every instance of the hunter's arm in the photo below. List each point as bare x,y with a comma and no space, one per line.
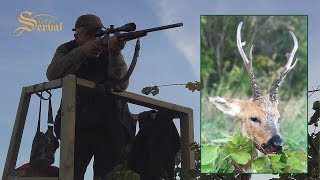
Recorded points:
117,69
63,64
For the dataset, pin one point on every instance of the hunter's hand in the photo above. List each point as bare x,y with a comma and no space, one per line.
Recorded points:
91,49
115,45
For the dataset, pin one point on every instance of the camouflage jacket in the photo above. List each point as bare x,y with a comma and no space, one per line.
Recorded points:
69,59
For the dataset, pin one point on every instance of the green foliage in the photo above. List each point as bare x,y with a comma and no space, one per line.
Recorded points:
239,154
193,86
155,89
210,153
277,164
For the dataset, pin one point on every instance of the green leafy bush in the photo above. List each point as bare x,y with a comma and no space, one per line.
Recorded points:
238,154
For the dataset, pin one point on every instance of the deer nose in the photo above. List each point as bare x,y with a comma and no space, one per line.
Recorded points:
275,142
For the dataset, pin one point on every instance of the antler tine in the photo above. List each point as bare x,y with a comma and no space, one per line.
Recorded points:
248,63
286,69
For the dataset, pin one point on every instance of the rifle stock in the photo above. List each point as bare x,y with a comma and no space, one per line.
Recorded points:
131,35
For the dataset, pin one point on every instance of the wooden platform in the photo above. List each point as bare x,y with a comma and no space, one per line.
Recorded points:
68,85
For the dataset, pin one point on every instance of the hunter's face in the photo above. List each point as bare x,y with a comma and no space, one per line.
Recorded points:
82,36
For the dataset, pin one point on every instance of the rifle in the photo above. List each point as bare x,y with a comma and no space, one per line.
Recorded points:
130,32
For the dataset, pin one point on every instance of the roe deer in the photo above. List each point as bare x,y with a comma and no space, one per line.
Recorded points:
259,115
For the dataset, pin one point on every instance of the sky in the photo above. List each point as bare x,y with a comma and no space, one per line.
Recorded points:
166,57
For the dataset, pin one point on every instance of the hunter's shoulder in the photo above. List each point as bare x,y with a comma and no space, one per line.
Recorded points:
67,46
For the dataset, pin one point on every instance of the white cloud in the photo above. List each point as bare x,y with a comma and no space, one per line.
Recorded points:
187,40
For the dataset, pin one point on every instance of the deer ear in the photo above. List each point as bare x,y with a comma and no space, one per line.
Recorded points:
231,107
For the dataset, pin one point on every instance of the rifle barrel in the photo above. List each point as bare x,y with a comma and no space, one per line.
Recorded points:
163,27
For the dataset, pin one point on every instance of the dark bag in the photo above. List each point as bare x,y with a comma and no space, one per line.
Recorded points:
155,147
44,145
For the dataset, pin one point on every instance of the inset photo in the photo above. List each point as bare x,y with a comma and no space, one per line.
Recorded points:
254,97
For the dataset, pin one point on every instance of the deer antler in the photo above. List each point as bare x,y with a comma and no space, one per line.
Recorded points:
286,69
248,64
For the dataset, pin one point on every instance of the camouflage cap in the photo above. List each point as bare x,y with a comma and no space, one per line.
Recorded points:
88,20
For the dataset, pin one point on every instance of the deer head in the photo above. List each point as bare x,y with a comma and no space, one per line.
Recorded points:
259,115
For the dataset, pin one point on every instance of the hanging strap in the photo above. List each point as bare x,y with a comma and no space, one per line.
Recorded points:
50,117
39,116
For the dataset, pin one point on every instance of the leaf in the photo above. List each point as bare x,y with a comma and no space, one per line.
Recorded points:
296,164
284,157
275,158
155,90
246,148
232,146
278,167
288,169
230,168
190,86
287,152
193,86
240,157
260,162
222,159
209,154
236,139
275,169
207,168
146,90
266,169
222,166
198,86
299,155
243,140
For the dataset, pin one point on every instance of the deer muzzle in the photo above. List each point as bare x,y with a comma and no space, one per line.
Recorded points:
274,145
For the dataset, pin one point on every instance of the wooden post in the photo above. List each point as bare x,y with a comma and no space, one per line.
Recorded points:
54,84
187,138
16,134
68,117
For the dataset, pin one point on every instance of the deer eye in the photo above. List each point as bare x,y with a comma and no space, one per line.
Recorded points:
254,119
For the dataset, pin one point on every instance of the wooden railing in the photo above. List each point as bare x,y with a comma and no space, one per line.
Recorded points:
68,85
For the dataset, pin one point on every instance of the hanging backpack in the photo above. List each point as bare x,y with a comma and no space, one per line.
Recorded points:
44,145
